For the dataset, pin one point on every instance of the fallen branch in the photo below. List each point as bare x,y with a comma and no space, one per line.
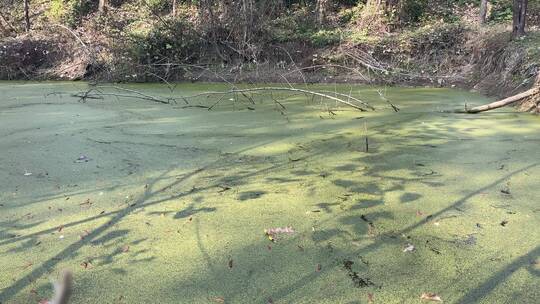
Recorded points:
313,93
504,102
97,93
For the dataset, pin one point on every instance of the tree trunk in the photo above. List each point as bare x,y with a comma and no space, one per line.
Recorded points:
483,11
504,102
322,8
519,18
102,6
27,15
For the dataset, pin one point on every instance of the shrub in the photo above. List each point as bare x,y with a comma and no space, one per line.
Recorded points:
70,12
173,41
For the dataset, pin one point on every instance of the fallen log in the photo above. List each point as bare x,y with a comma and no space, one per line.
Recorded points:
504,102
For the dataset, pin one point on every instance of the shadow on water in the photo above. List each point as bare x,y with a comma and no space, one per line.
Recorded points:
278,271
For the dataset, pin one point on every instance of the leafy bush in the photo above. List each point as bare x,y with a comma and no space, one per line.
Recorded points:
326,37
70,12
159,6
173,41
502,10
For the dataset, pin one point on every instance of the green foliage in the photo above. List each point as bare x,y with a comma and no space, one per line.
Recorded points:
69,12
294,25
352,14
502,10
159,6
326,37
413,11
173,41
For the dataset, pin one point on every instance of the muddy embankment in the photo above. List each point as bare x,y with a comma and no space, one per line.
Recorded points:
488,62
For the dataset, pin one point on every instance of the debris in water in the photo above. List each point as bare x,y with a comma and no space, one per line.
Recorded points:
86,203
272,233
125,249
82,159
470,240
219,300
504,223
429,296
319,268
505,191
370,298
85,234
230,263
358,281
26,173
409,248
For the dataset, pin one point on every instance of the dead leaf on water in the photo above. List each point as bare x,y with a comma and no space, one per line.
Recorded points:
370,298
429,296
273,233
219,300
409,248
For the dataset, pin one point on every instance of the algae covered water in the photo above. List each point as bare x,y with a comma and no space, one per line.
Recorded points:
153,203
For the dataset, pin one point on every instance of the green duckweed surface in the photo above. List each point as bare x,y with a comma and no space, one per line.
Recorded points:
169,204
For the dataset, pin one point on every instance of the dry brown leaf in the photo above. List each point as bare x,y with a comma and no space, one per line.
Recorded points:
219,300
429,296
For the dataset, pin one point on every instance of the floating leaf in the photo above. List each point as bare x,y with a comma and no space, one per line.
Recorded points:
429,296
409,248
272,233
319,267
370,298
125,248
230,263
82,159
219,300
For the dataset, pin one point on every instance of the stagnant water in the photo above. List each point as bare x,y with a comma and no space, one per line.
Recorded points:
153,203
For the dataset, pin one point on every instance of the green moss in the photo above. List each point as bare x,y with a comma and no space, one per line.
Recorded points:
161,225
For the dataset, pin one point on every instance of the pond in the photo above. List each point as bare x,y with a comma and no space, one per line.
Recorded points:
154,203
